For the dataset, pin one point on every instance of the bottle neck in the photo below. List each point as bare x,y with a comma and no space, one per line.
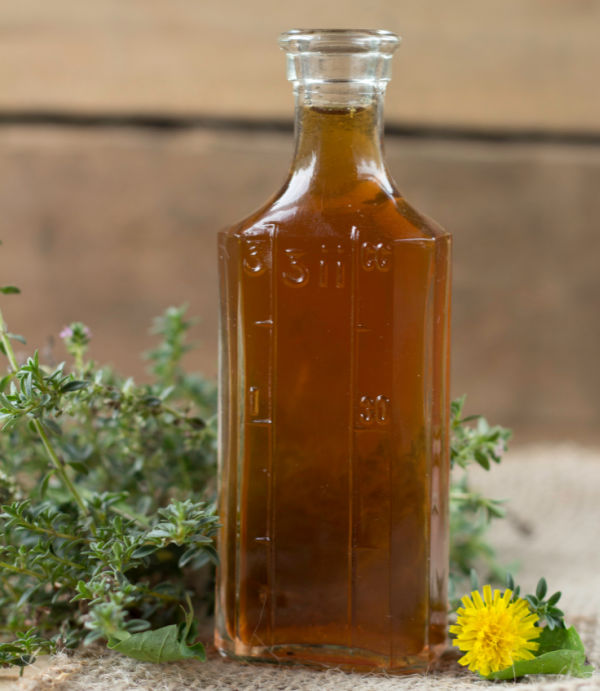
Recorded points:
338,137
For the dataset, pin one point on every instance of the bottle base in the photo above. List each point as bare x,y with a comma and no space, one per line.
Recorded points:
330,656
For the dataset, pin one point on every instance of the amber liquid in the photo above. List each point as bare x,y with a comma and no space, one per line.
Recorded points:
334,404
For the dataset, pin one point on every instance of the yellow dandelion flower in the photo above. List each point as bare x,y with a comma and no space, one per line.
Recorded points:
494,632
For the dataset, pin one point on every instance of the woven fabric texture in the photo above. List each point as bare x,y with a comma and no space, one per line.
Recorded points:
552,530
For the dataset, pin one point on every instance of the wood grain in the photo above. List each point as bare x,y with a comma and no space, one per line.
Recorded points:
502,63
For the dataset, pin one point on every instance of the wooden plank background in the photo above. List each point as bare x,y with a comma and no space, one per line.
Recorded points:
509,63
112,224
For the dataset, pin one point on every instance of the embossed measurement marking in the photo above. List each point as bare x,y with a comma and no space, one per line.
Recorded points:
254,400
340,267
331,265
375,256
254,263
323,268
374,410
296,273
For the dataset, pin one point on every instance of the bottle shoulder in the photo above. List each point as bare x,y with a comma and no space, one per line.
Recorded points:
368,207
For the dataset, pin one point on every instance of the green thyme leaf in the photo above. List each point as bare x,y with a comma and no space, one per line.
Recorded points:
541,589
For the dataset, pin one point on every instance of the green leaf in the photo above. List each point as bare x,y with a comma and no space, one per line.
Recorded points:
79,467
482,459
44,483
159,645
74,386
9,290
27,384
196,422
483,426
555,598
561,652
152,401
52,427
137,625
558,639
542,589
144,551
570,662
495,509
187,556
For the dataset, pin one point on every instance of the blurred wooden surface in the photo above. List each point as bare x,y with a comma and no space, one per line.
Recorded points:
113,226
508,63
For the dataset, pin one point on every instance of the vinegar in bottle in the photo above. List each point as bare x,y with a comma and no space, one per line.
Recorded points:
334,347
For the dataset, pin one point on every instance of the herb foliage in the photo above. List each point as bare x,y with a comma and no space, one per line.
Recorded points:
473,442
107,521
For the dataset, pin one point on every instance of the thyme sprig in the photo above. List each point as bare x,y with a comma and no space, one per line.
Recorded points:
106,499
473,442
545,608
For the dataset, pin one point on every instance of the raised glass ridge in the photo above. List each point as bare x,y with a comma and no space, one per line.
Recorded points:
339,41
334,56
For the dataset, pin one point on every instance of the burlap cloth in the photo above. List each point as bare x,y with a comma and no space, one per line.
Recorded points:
552,530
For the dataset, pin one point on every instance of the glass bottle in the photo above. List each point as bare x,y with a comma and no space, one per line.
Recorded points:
334,391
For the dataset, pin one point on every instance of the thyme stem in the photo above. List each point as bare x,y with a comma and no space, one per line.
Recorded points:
10,353
16,569
59,465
